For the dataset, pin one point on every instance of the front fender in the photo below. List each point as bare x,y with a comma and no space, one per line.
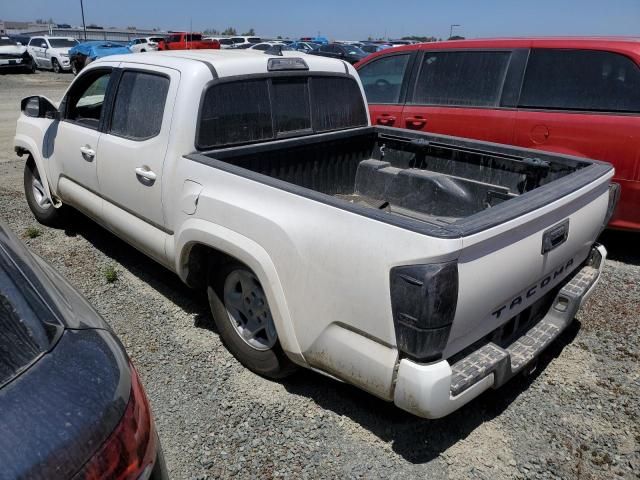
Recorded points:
196,231
27,143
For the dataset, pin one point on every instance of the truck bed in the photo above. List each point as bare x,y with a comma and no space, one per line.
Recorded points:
444,186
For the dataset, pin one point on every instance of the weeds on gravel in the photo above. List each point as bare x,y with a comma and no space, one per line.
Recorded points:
33,232
110,274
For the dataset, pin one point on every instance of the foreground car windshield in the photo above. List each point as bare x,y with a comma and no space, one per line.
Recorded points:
4,42
62,42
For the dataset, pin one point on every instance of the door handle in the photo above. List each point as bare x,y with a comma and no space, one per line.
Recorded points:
386,119
416,122
88,153
145,173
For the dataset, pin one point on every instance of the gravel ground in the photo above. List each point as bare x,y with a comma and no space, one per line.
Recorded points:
577,416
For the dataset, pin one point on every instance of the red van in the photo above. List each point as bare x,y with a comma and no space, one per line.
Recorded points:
578,96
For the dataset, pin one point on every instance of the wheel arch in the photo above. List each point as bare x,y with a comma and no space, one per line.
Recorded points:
201,244
26,146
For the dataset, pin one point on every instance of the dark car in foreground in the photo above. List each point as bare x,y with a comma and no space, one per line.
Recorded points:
71,403
349,53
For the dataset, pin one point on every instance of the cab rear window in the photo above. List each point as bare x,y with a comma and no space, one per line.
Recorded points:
260,109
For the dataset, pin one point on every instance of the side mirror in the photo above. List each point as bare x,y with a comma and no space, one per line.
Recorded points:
38,107
44,45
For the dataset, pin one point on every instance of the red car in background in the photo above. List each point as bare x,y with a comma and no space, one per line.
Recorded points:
577,96
187,41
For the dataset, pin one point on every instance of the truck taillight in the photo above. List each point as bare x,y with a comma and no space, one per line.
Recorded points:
423,303
130,450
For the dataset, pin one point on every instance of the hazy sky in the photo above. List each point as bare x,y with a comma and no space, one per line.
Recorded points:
348,20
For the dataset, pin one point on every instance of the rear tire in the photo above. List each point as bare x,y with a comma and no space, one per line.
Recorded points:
41,207
261,354
55,65
74,68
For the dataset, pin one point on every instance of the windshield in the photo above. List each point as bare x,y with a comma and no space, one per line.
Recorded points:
5,41
225,41
62,42
253,40
351,50
156,39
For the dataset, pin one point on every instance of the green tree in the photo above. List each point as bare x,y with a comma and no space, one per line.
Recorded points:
456,37
230,31
250,33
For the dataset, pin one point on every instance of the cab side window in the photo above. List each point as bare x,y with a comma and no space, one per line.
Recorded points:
466,79
36,42
583,80
84,104
382,78
139,105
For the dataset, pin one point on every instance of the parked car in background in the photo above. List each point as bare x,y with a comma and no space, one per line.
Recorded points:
239,41
14,56
267,45
577,96
145,44
305,47
230,170
71,402
84,53
319,40
370,48
52,53
348,53
187,41
224,42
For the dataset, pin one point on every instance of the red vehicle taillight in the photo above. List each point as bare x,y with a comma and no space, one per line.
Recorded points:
131,449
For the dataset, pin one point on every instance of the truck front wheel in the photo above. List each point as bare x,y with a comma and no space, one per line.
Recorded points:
243,318
37,199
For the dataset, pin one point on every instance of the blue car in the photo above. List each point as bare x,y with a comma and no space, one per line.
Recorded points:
84,53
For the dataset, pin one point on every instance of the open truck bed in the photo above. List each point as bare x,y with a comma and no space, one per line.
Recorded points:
439,185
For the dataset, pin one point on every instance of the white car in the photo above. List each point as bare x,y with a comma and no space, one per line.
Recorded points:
225,42
262,46
13,55
51,53
244,40
145,44
422,268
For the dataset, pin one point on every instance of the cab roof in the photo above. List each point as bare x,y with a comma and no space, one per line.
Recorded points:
228,62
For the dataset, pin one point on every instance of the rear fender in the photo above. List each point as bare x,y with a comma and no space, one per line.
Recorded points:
197,231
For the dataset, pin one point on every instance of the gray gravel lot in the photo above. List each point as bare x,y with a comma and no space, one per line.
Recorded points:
577,416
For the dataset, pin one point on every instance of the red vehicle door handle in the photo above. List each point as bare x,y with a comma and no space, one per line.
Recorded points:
416,122
386,119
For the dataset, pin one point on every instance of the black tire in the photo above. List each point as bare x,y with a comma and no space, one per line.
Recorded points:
142,51
74,68
55,66
49,215
272,363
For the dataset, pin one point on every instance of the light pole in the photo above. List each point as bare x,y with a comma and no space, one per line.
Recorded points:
84,27
453,25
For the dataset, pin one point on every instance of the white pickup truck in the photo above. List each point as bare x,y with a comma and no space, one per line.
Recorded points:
424,269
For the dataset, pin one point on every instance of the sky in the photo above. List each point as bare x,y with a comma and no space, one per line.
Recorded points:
341,19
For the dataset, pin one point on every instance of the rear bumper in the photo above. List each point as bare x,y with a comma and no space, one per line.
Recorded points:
437,389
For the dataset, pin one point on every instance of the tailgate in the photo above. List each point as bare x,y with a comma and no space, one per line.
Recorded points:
506,269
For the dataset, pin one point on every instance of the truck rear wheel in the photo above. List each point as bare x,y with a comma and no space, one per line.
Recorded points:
40,205
243,318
